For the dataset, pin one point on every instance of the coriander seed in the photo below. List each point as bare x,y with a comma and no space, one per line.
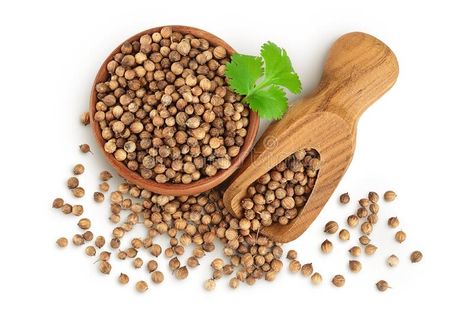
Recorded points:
354,265
174,263
373,197
105,176
400,236
104,256
307,269
78,169
294,266
393,222
370,249
331,227
389,196
84,148
344,235
62,242
85,118
141,286
104,187
105,267
233,283
392,261
88,236
77,210
364,240
181,273
72,182
192,262
372,218
364,202
78,192
157,276
338,281
217,264
374,208
209,284
366,228
326,246
416,256
100,241
291,254
77,240
352,220
98,197
362,213
58,203
84,224
344,198
90,251
382,285
316,278
137,262
355,251
123,278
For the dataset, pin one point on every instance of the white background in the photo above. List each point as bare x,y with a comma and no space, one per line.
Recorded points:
415,140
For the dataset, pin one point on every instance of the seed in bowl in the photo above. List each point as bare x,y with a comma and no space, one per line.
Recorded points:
165,109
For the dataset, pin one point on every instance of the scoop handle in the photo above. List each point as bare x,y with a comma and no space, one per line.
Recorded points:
359,69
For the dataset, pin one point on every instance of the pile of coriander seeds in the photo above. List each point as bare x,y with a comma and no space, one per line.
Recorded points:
278,195
165,110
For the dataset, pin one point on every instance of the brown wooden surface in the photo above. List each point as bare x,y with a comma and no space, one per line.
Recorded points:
359,69
196,187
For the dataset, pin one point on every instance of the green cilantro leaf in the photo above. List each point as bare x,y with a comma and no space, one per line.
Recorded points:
270,103
243,71
278,68
263,89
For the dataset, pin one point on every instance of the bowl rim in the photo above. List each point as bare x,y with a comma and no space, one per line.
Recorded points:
192,188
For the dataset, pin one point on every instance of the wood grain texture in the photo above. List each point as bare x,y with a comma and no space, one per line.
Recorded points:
359,70
193,188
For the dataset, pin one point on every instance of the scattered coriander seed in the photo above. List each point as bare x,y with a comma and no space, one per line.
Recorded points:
157,276
115,243
326,246
78,192
389,195
217,264
355,251
105,267
291,254
344,235
354,265
78,169
372,218
152,265
84,224
316,278
364,240
123,278
72,182
374,208
84,148
77,210
104,256
382,285
88,236
344,198
137,262
85,118
364,202
209,284
366,228
294,266
104,187
98,197
373,197
192,262
362,213
392,261
416,256
227,270
169,252
179,250
174,263
105,176
58,203
370,249
131,252
338,281
100,241
352,220
155,250
122,255
233,283
331,227
67,208
393,222
141,286
90,251
62,242
181,273
307,269
400,236
77,240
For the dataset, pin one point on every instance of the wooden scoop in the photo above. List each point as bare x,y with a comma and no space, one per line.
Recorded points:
359,70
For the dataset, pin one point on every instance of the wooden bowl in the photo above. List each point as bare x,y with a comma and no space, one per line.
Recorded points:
193,188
